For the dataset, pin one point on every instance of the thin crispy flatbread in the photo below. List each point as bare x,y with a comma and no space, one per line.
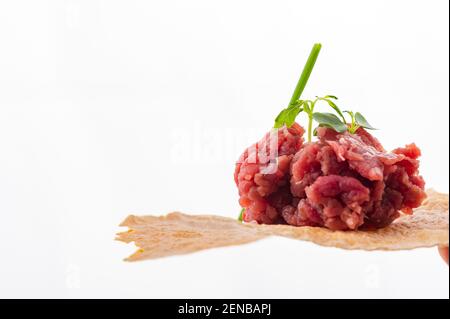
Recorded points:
178,233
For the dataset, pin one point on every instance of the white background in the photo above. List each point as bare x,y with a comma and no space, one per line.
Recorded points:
116,107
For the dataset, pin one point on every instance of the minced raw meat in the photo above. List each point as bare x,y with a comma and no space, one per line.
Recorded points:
342,181
262,174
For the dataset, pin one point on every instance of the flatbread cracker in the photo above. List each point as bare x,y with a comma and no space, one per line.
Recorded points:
178,233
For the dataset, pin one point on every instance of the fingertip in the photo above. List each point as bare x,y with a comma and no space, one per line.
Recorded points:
443,251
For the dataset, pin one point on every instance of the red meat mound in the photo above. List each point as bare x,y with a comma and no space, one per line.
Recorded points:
342,182
262,174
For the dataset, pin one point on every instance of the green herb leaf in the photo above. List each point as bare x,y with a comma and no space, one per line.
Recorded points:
287,116
330,97
330,120
241,215
361,121
280,119
352,117
291,115
315,131
334,107
306,106
353,125
348,112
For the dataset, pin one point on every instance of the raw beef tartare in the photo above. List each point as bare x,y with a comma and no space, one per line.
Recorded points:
344,180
